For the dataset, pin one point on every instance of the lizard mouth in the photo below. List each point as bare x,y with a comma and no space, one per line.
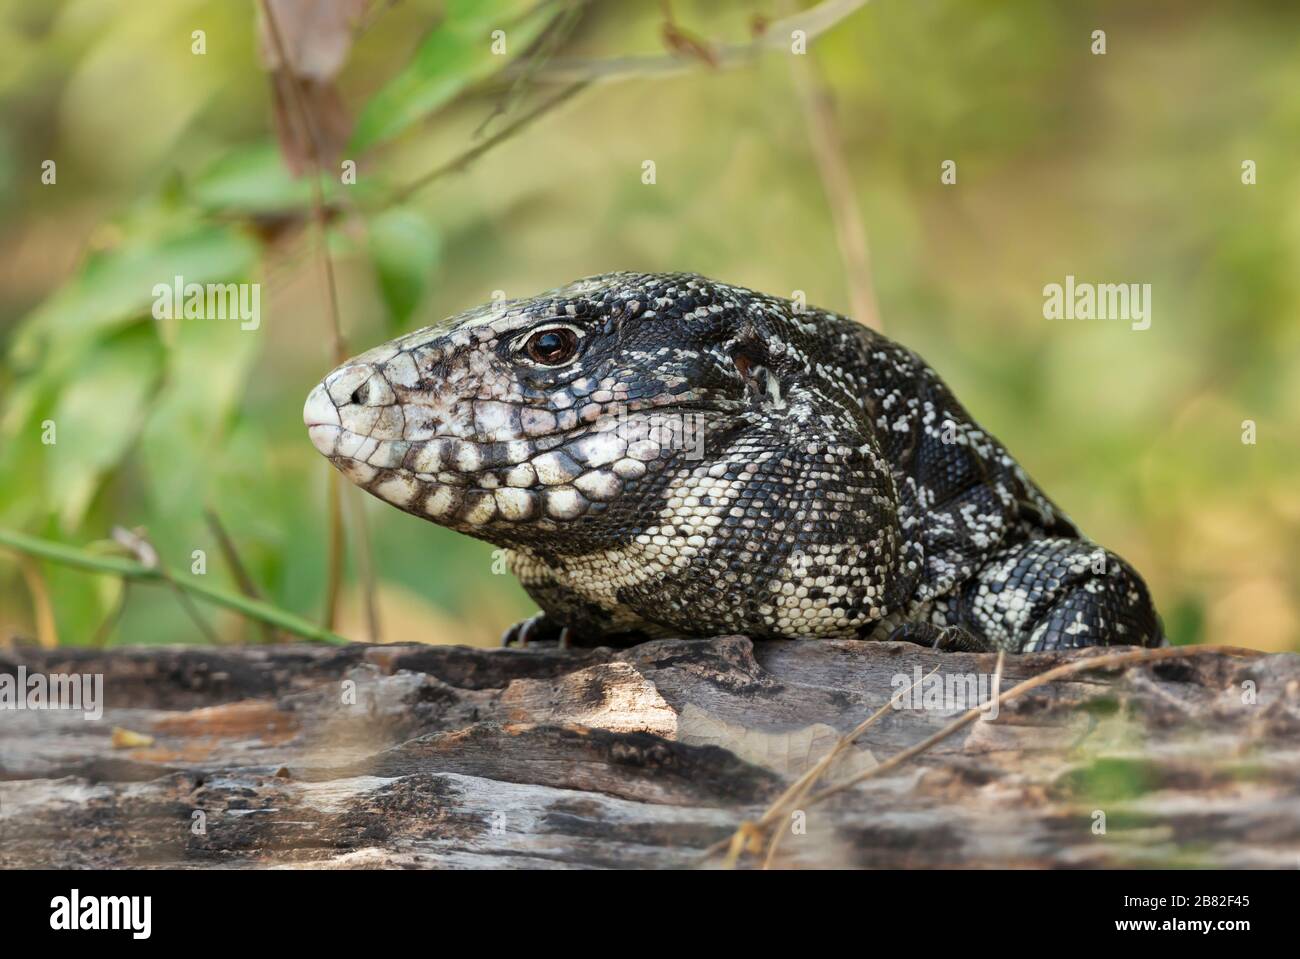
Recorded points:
523,467
545,481
321,417
319,410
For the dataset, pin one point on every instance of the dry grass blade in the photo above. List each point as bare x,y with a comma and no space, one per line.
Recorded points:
334,562
799,788
683,42
749,834
1068,669
796,793
318,36
237,568
100,639
365,562
312,137
776,35
540,53
334,579
47,633
459,162
837,182
147,555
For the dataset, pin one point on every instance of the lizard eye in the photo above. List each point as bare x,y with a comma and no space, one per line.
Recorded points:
552,346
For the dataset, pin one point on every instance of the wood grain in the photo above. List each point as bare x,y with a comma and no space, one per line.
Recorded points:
432,756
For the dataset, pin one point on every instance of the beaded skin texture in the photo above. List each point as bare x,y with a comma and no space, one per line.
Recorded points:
664,454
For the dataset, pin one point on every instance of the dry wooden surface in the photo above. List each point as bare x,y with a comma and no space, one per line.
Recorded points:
421,756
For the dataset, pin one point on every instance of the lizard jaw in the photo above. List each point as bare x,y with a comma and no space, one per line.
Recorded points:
470,485
321,418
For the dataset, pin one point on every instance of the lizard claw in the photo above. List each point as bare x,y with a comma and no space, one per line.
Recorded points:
535,629
946,638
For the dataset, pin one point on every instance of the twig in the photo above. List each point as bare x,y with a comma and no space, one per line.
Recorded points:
109,622
1042,679
401,194
750,834
237,568
132,571
579,74
793,796
318,197
147,554
685,42
369,19
542,49
335,561
828,151
365,563
812,22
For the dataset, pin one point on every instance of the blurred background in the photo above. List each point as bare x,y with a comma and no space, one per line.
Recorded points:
521,168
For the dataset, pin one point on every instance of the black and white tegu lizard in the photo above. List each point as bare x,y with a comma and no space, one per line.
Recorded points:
663,454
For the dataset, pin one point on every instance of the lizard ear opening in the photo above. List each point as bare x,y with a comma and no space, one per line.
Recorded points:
760,382
744,365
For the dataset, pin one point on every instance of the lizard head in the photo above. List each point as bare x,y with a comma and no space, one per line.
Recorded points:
525,416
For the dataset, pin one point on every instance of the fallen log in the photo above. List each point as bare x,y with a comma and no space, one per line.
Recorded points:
435,756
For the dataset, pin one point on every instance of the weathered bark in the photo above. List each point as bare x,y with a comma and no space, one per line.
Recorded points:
447,756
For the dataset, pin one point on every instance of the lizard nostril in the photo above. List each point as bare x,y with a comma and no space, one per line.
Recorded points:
361,394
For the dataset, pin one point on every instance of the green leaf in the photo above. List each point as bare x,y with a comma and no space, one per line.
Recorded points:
116,286
404,248
90,362
457,53
23,456
251,180
97,415
182,446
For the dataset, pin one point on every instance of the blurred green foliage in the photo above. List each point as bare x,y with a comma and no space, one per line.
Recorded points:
1117,168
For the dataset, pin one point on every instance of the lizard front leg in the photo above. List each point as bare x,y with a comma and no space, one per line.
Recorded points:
568,618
